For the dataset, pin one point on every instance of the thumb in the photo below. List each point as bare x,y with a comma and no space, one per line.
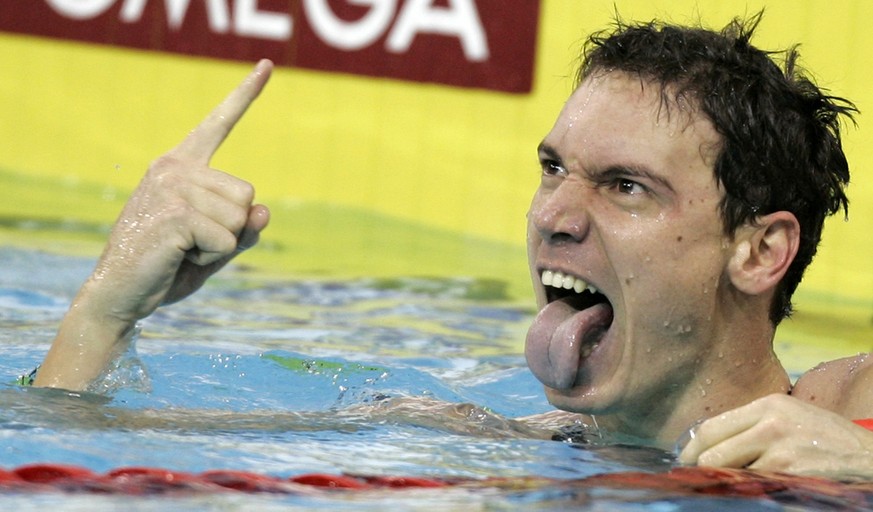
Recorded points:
259,217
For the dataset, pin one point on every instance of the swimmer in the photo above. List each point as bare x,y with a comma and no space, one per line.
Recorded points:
683,192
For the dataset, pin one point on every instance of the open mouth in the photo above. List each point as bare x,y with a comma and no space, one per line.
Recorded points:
574,291
568,330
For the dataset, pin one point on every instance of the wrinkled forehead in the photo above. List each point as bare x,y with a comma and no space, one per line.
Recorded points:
617,119
625,93
670,102
669,106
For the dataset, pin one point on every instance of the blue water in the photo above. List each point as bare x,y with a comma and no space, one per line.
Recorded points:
285,376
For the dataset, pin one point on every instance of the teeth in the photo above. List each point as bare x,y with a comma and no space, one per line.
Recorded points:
566,281
587,350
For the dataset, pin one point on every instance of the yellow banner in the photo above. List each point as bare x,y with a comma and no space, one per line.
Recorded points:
380,176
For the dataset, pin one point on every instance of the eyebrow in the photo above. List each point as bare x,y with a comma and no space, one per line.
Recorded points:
549,151
612,171
620,170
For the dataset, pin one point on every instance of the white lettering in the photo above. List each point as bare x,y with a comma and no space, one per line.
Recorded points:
131,11
176,10
80,9
219,16
461,19
352,35
216,12
249,21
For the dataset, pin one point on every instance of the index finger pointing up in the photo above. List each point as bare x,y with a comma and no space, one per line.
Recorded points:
206,138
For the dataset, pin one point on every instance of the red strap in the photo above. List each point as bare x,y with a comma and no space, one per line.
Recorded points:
866,423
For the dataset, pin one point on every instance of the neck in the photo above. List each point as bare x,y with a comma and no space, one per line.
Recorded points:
734,378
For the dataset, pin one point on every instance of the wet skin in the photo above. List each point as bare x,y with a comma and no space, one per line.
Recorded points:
628,202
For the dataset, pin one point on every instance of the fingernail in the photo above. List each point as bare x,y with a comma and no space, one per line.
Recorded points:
263,65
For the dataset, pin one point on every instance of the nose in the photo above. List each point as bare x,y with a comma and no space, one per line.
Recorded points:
561,215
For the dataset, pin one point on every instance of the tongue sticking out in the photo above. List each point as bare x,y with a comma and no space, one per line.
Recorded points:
558,337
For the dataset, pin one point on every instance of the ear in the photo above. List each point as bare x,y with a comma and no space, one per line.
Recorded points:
763,251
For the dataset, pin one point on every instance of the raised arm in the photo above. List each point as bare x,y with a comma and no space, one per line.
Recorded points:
183,222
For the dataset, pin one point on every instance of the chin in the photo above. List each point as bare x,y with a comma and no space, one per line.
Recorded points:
577,400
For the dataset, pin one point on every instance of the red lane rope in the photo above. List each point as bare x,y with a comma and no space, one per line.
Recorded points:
682,481
145,480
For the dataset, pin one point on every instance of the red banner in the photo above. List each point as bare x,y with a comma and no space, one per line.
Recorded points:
468,43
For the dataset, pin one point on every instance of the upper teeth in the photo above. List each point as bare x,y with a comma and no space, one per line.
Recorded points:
561,280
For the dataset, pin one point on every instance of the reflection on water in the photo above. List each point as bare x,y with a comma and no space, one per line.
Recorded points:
286,377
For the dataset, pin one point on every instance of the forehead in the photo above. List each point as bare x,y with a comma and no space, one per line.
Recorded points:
618,116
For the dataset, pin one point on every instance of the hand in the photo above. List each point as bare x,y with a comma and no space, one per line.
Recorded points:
185,220
183,223
783,434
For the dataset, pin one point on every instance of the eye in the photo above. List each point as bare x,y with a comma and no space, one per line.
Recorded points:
629,187
552,168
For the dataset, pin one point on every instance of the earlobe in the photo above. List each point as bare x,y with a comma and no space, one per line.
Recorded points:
764,252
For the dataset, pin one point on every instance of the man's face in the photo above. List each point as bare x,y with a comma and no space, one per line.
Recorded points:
628,204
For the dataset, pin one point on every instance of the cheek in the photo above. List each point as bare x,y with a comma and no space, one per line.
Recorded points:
696,238
533,243
675,277
640,255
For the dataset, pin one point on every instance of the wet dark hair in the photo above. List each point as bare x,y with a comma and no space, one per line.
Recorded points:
780,133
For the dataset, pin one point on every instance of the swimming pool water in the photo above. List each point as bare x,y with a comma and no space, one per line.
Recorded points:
285,376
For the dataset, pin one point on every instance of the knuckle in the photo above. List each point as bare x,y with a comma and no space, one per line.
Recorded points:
164,163
235,189
164,179
246,192
775,427
177,212
226,244
236,219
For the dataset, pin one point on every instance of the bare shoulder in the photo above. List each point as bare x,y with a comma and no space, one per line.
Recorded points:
844,386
